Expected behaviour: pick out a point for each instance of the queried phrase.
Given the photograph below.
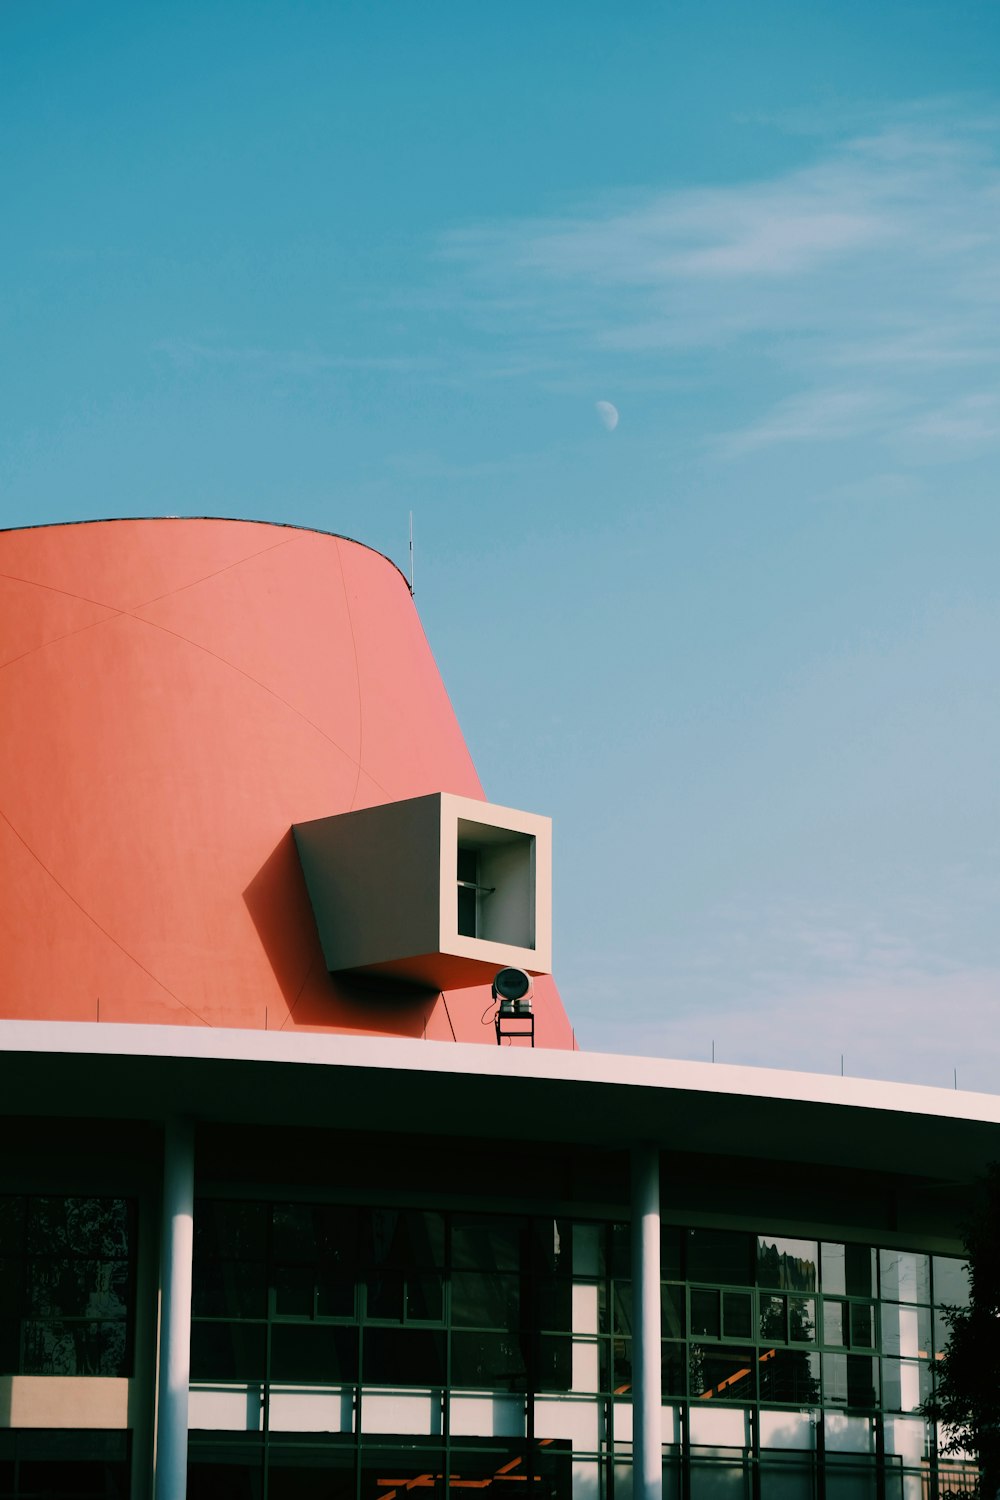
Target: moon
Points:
(608, 414)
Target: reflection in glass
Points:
(802, 1320)
(789, 1265)
(774, 1318)
(906, 1330)
(848, 1270)
(850, 1380)
(789, 1375)
(737, 1315)
(906, 1384)
(951, 1281)
(705, 1314)
(906, 1276)
(722, 1374)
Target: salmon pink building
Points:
(295, 1200)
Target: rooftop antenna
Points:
(411, 554)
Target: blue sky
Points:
(328, 263)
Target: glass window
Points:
(905, 1275)
(906, 1330)
(705, 1313)
(906, 1384)
(481, 1299)
(228, 1351)
(802, 1320)
(848, 1270)
(790, 1265)
(492, 1360)
(487, 1243)
(314, 1352)
(951, 1281)
(722, 1374)
(850, 1380)
(774, 1319)
(737, 1315)
(720, 1256)
(790, 1375)
(403, 1356)
(672, 1313)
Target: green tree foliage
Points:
(967, 1399)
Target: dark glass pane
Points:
(294, 1291)
(10, 1346)
(404, 1239)
(314, 1351)
(720, 1255)
(74, 1478)
(11, 1273)
(402, 1470)
(77, 1288)
(385, 1295)
(482, 1300)
(228, 1351)
(737, 1315)
(311, 1474)
(849, 1476)
(705, 1313)
(229, 1288)
(487, 1244)
(11, 1226)
(850, 1380)
(621, 1251)
(78, 1226)
(862, 1326)
(787, 1476)
(673, 1370)
(717, 1479)
(672, 1312)
(493, 1360)
(671, 1253)
(224, 1480)
(789, 1265)
(774, 1319)
(309, 1232)
(859, 1271)
(802, 1320)
(722, 1374)
(230, 1231)
(403, 1356)
(59, 1348)
(789, 1375)
(553, 1305)
(424, 1299)
(621, 1307)
(555, 1364)
(334, 1291)
(225, 1466)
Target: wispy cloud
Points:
(867, 280)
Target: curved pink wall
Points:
(174, 695)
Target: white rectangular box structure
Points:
(439, 890)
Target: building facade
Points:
(278, 1218)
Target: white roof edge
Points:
(325, 1049)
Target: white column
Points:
(175, 1311)
(647, 1480)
